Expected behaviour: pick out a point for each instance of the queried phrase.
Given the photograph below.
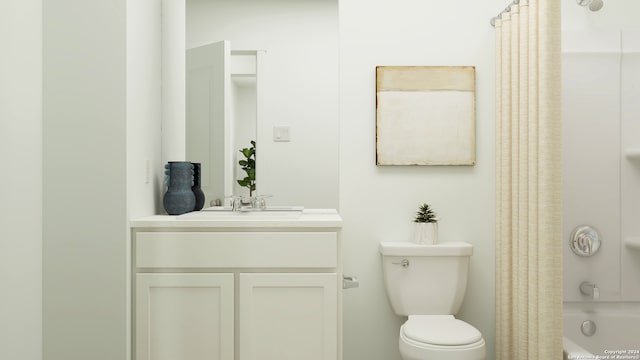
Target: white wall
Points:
(378, 203)
(145, 169)
(102, 166)
(300, 78)
(173, 81)
(84, 179)
(601, 70)
(21, 189)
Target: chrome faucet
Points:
(590, 289)
(243, 203)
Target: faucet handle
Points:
(596, 292)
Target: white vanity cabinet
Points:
(184, 316)
(288, 316)
(263, 289)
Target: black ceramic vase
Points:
(197, 190)
(179, 198)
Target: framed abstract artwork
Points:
(425, 115)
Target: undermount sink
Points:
(218, 212)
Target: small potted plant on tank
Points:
(426, 226)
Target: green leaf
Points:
(425, 214)
(249, 166)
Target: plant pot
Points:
(425, 233)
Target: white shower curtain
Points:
(528, 183)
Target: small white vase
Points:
(425, 233)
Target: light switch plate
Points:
(281, 134)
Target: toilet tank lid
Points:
(405, 248)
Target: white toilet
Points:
(427, 283)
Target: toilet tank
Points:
(425, 279)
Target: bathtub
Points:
(616, 336)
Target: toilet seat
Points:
(420, 335)
(443, 330)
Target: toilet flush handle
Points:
(404, 263)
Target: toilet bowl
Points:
(440, 337)
(427, 283)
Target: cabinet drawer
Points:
(236, 249)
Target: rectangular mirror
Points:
(293, 47)
(221, 112)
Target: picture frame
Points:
(425, 115)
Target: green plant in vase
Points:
(425, 214)
(249, 166)
(426, 227)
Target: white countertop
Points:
(314, 218)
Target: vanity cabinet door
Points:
(288, 316)
(184, 316)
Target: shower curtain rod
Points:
(593, 5)
(507, 9)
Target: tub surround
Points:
(632, 243)
(613, 330)
(607, 323)
(573, 351)
(262, 286)
(632, 153)
(613, 156)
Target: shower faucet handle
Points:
(585, 240)
(590, 289)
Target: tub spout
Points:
(590, 289)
